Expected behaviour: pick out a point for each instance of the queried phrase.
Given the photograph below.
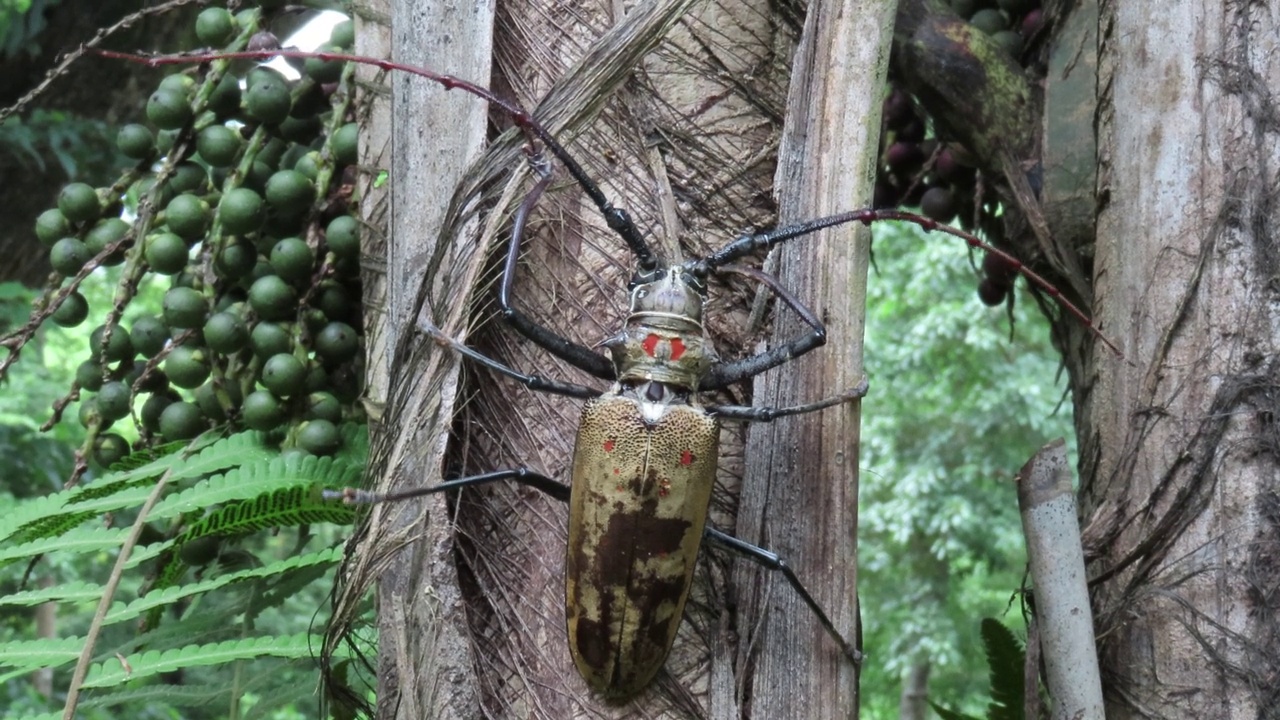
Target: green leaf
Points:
(257, 478)
(1006, 657)
(153, 662)
(121, 612)
(29, 655)
(80, 540)
(49, 516)
(67, 592)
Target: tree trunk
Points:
(675, 107)
(1150, 169)
(913, 704)
(800, 493)
(1181, 438)
(427, 666)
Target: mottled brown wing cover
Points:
(639, 504)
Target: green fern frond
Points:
(158, 598)
(48, 524)
(298, 505)
(154, 662)
(286, 586)
(174, 695)
(27, 655)
(289, 506)
(197, 627)
(197, 695)
(56, 514)
(146, 553)
(80, 540)
(285, 695)
(145, 456)
(234, 486)
(257, 478)
(60, 512)
(205, 455)
(71, 592)
(1005, 656)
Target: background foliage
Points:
(956, 407)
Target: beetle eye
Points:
(694, 283)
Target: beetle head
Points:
(667, 293)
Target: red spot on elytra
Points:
(677, 348)
(609, 445)
(650, 344)
(686, 458)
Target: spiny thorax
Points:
(663, 341)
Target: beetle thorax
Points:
(663, 341)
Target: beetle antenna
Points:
(618, 219)
(748, 244)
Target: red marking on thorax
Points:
(677, 348)
(650, 344)
(653, 341)
(686, 458)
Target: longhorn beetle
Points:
(646, 450)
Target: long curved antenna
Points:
(617, 219)
(748, 244)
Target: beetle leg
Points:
(533, 382)
(576, 355)
(726, 373)
(773, 562)
(523, 476)
(758, 413)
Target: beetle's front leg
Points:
(571, 352)
(533, 382)
(756, 413)
(723, 374)
(773, 562)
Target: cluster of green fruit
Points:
(937, 176)
(240, 201)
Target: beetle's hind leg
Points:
(757, 413)
(773, 562)
(522, 476)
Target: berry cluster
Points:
(239, 204)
